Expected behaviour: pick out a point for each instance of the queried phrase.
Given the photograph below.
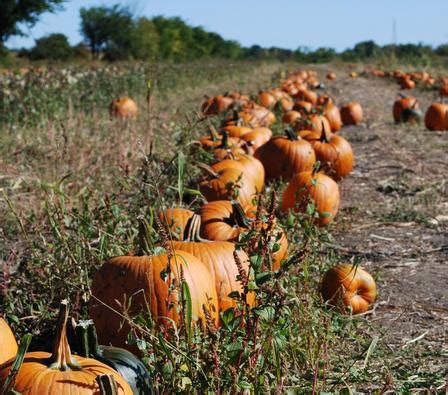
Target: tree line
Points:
(114, 33)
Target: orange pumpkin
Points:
(219, 260)
(333, 151)
(236, 131)
(123, 107)
(284, 156)
(257, 137)
(351, 113)
(61, 372)
(266, 99)
(291, 117)
(406, 109)
(215, 105)
(132, 284)
(436, 117)
(319, 188)
(350, 285)
(175, 219)
(8, 344)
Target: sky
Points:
(282, 23)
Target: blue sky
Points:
(283, 23)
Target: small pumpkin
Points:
(60, 372)
(291, 117)
(319, 188)
(350, 285)
(406, 109)
(175, 219)
(284, 156)
(123, 361)
(257, 137)
(8, 343)
(436, 117)
(351, 113)
(123, 107)
(236, 131)
(331, 76)
(216, 105)
(266, 99)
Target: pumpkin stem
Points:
(192, 229)
(107, 384)
(88, 339)
(325, 136)
(61, 358)
(239, 216)
(225, 140)
(208, 170)
(290, 134)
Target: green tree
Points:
(13, 12)
(146, 42)
(109, 30)
(52, 47)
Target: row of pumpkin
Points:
(200, 253)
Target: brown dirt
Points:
(394, 216)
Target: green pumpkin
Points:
(124, 362)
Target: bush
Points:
(52, 47)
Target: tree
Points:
(108, 29)
(52, 47)
(146, 43)
(13, 12)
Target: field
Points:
(74, 183)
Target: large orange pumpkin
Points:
(220, 262)
(349, 285)
(406, 109)
(284, 156)
(351, 113)
(8, 344)
(61, 372)
(136, 284)
(317, 187)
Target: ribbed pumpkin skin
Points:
(218, 257)
(351, 285)
(8, 343)
(139, 277)
(333, 115)
(282, 157)
(351, 113)
(257, 137)
(36, 378)
(325, 194)
(216, 188)
(236, 131)
(333, 151)
(436, 117)
(176, 219)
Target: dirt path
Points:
(395, 218)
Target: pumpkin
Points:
(248, 164)
(436, 117)
(123, 107)
(228, 183)
(333, 151)
(319, 188)
(306, 95)
(123, 361)
(8, 343)
(220, 262)
(257, 137)
(236, 131)
(215, 105)
(60, 372)
(266, 99)
(134, 284)
(353, 74)
(443, 90)
(284, 156)
(291, 117)
(303, 107)
(333, 115)
(331, 76)
(406, 109)
(351, 113)
(407, 83)
(313, 122)
(175, 219)
(286, 103)
(225, 221)
(349, 285)
(222, 146)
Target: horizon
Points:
(320, 31)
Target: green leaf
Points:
(244, 385)
(8, 385)
(264, 312)
(263, 277)
(180, 175)
(189, 309)
(227, 317)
